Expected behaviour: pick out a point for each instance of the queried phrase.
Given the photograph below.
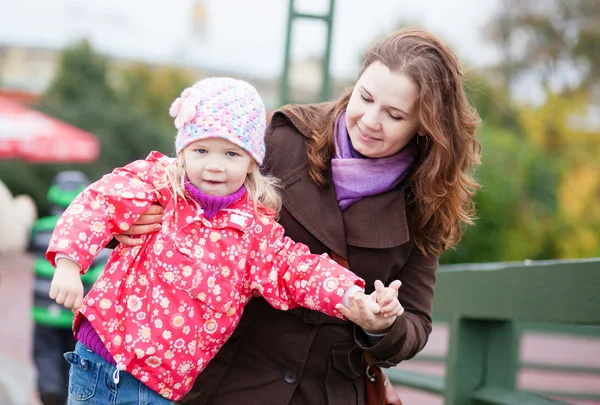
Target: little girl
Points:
(160, 311)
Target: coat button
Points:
(290, 376)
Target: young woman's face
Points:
(217, 166)
(381, 116)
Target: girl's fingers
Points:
(53, 291)
(379, 291)
(69, 299)
(77, 303)
(396, 284)
(395, 311)
(60, 297)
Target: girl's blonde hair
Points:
(262, 189)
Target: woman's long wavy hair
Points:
(441, 186)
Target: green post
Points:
(326, 83)
(325, 92)
(284, 85)
(481, 354)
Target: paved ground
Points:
(17, 373)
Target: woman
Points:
(381, 177)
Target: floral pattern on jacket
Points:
(163, 309)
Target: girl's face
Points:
(217, 166)
(381, 116)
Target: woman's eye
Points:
(395, 118)
(232, 154)
(201, 151)
(368, 100)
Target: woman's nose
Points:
(370, 119)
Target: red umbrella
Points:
(36, 137)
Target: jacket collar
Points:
(377, 222)
(237, 216)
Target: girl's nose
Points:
(214, 167)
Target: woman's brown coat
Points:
(305, 357)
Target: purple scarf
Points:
(356, 176)
(212, 203)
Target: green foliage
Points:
(515, 205)
(83, 75)
(153, 90)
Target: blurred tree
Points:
(492, 102)
(564, 127)
(516, 204)
(83, 75)
(153, 89)
(554, 42)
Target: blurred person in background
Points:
(53, 335)
(380, 177)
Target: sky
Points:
(243, 36)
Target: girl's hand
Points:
(387, 298)
(149, 222)
(66, 287)
(365, 311)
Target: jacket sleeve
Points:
(287, 275)
(106, 208)
(410, 332)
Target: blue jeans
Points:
(92, 382)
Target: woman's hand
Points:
(149, 222)
(374, 313)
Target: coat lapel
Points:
(378, 222)
(315, 208)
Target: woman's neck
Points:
(212, 204)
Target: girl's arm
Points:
(104, 209)
(287, 275)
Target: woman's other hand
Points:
(149, 222)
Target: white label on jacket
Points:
(238, 219)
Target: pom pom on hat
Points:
(221, 107)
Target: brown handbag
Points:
(378, 388)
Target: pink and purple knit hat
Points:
(221, 107)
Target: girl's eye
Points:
(232, 154)
(201, 151)
(395, 118)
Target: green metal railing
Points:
(488, 307)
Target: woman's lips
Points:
(366, 138)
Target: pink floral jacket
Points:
(163, 309)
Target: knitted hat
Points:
(221, 107)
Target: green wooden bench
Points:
(488, 307)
